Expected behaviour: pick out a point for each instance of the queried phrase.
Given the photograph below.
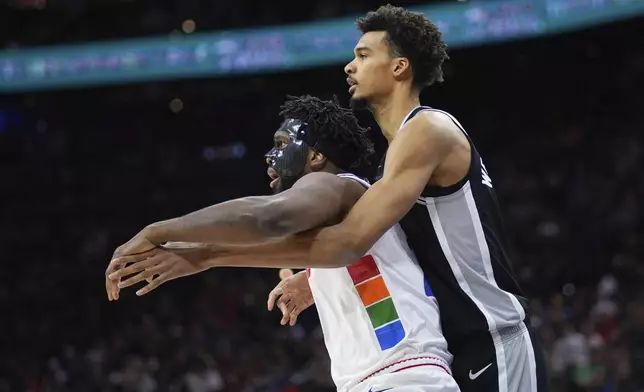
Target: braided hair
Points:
(332, 124)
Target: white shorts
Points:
(427, 378)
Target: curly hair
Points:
(332, 124)
(410, 35)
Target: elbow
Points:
(339, 247)
(356, 247)
(354, 241)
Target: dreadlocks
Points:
(331, 123)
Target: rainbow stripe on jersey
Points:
(377, 300)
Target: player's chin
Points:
(359, 102)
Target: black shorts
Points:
(507, 360)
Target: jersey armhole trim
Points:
(355, 178)
(438, 191)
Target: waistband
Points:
(411, 362)
(509, 333)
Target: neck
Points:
(332, 169)
(335, 170)
(392, 110)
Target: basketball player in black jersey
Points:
(435, 184)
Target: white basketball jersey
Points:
(378, 314)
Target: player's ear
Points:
(399, 66)
(317, 160)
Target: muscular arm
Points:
(290, 252)
(316, 199)
(412, 158)
(179, 259)
(251, 232)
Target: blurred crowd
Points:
(556, 119)
(25, 23)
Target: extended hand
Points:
(155, 266)
(136, 246)
(292, 295)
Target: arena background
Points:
(558, 119)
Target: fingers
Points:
(110, 285)
(290, 311)
(136, 267)
(108, 289)
(115, 270)
(273, 295)
(145, 275)
(154, 284)
(282, 304)
(285, 273)
(286, 305)
(293, 316)
(135, 258)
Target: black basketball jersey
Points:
(458, 237)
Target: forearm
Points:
(336, 245)
(241, 222)
(280, 259)
(292, 252)
(319, 248)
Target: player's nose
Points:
(349, 69)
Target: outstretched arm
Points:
(290, 252)
(316, 199)
(292, 295)
(412, 158)
(176, 260)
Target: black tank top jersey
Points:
(458, 237)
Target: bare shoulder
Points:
(325, 183)
(320, 180)
(317, 199)
(430, 134)
(435, 125)
(432, 147)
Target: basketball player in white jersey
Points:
(435, 186)
(379, 317)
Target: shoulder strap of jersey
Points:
(454, 120)
(411, 114)
(359, 180)
(419, 109)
